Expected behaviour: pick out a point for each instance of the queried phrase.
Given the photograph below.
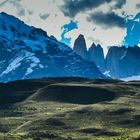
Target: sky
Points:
(105, 22)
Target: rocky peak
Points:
(96, 54)
(80, 46)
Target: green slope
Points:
(70, 108)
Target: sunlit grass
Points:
(118, 119)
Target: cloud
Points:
(119, 4)
(16, 4)
(20, 9)
(44, 16)
(95, 40)
(91, 30)
(72, 7)
(138, 6)
(107, 19)
(21, 12)
(3, 3)
(30, 12)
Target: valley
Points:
(70, 109)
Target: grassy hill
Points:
(70, 109)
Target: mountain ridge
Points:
(32, 52)
(28, 52)
(120, 62)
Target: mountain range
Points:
(27, 52)
(78, 100)
(119, 63)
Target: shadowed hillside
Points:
(74, 93)
(70, 109)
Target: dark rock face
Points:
(80, 47)
(120, 62)
(113, 60)
(96, 54)
(123, 62)
(35, 33)
(133, 27)
(28, 52)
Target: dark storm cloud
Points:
(72, 7)
(138, 6)
(44, 16)
(119, 4)
(107, 19)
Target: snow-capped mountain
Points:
(28, 52)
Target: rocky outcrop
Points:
(123, 62)
(120, 62)
(96, 54)
(80, 47)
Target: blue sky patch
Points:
(67, 28)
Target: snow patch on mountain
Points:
(35, 62)
(132, 78)
(124, 55)
(30, 53)
(41, 66)
(13, 65)
(107, 73)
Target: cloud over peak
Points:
(72, 7)
(107, 19)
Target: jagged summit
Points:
(96, 54)
(93, 45)
(28, 52)
(81, 36)
(99, 46)
(15, 23)
(120, 62)
(80, 46)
